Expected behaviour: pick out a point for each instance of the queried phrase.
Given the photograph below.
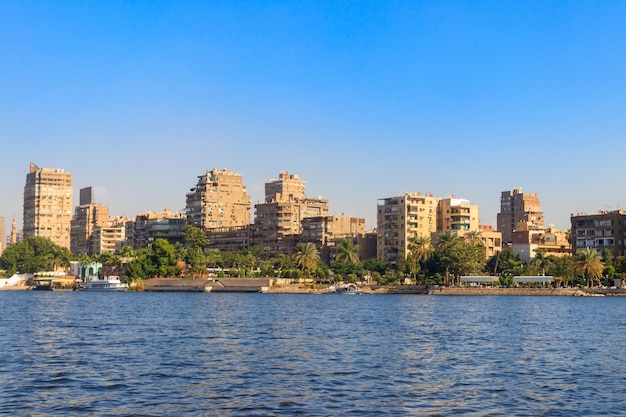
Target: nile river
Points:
(204, 354)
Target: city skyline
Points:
(362, 100)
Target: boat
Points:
(349, 289)
(110, 283)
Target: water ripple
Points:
(284, 355)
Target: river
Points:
(205, 354)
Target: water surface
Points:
(200, 354)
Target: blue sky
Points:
(363, 100)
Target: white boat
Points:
(346, 289)
(110, 283)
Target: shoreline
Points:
(176, 285)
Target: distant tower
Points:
(518, 207)
(48, 204)
(13, 232)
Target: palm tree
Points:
(589, 262)
(474, 237)
(541, 260)
(422, 249)
(306, 256)
(348, 252)
(445, 242)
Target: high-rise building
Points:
(3, 233)
(87, 217)
(278, 221)
(48, 204)
(518, 207)
(401, 218)
(218, 200)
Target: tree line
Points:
(428, 262)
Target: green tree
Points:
(562, 268)
(34, 254)
(541, 260)
(347, 251)
(306, 256)
(474, 237)
(163, 259)
(589, 263)
(421, 250)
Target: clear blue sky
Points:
(363, 99)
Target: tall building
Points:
(218, 200)
(603, 230)
(48, 204)
(278, 221)
(87, 217)
(518, 207)
(456, 214)
(399, 219)
(3, 233)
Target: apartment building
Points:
(48, 204)
(602, 230)
(108, 239)
(230, 239)
(456, 215)
(278, 221)
(326, 232)
(399, 219)
(527, 241)
(517, 207)
(219, 199)
(88, 216)
(147, 227)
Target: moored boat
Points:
(110, 283)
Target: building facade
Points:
(147, 227)
(219, 199)
(278, 221)
(87, 217)
(518, 207)
(600, 231)
(326, 232)
(48, 204)
(456, 215)
(401, 218)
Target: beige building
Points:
(218, 200)
(326, 232)
(48, 204)
(602, 230)
(87, 217)
(230, 239)
(516, 209)
(278, 221)
(399, 219)
(147, 227)
(108, 239)
(456, 215)
(491, 240)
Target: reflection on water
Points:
(265, 354)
